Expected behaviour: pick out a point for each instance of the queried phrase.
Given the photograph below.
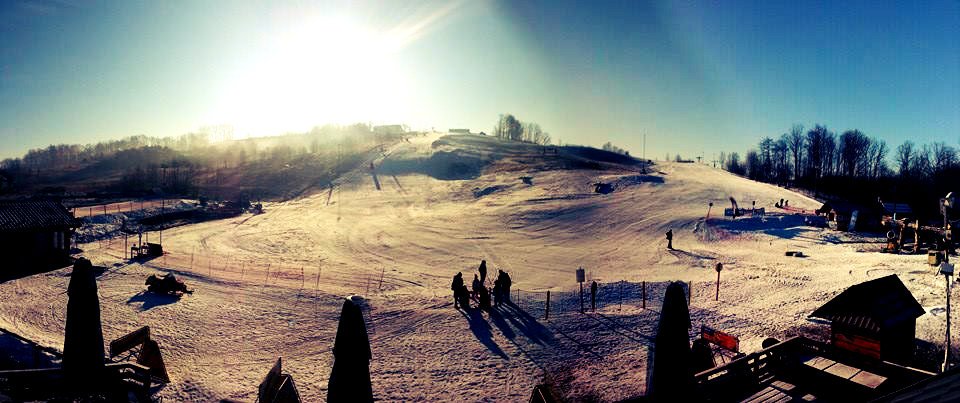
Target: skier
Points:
(456, 286)
(670, 239)
(483, 271)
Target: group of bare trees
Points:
(799, 156)
(851, 164)
(511, 128)
(608, 146)
(193, 162)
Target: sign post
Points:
(581, 277)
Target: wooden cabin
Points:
(876, 319)
(35, 234)
(848, 216)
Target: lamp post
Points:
(947, 270)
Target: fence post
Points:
(620, 296)
(548, 306)
(644, 293)
(689, 292)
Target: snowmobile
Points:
(166, 284)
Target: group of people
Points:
(500, 293)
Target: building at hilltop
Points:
(35, 234)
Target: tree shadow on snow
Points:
(149, 300)
(481, 330)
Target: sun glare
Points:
(322, 71)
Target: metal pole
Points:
(946, 352)
(581, 297)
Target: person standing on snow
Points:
(483, 271)
(670, 239)
(456, 286)
(476, 285)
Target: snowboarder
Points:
(476, 285)
(456, 286)
(670, 239)
(593, 296)
(483, 271)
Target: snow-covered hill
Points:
(270, 285)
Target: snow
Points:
(399, 246)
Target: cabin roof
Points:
(872, 305)
(37, 215)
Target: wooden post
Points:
(718, 287)
(644, 295)
(547, 317)
(124, 246)
(319, 270)
(620, 296)
(382, 269)
(301, 277)
(104, 209)
(689, 292)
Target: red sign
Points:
(720, 339)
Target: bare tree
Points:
(944, 157)
(904, 158)
(795, 143)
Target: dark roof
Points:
(846, 207)
(942, 387)
(23, 216)
(896, 207)
(871, 305)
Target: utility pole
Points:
(947, 270)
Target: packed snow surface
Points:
(272, 284)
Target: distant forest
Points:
(852, 166)
(193, 165)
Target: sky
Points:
(692, 77)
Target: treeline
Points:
(608, 146)
(192, 164)
(511, 128)
(852, 165)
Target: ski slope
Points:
(271, 285)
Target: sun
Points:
(325, 70)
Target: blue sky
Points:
(694, 76)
